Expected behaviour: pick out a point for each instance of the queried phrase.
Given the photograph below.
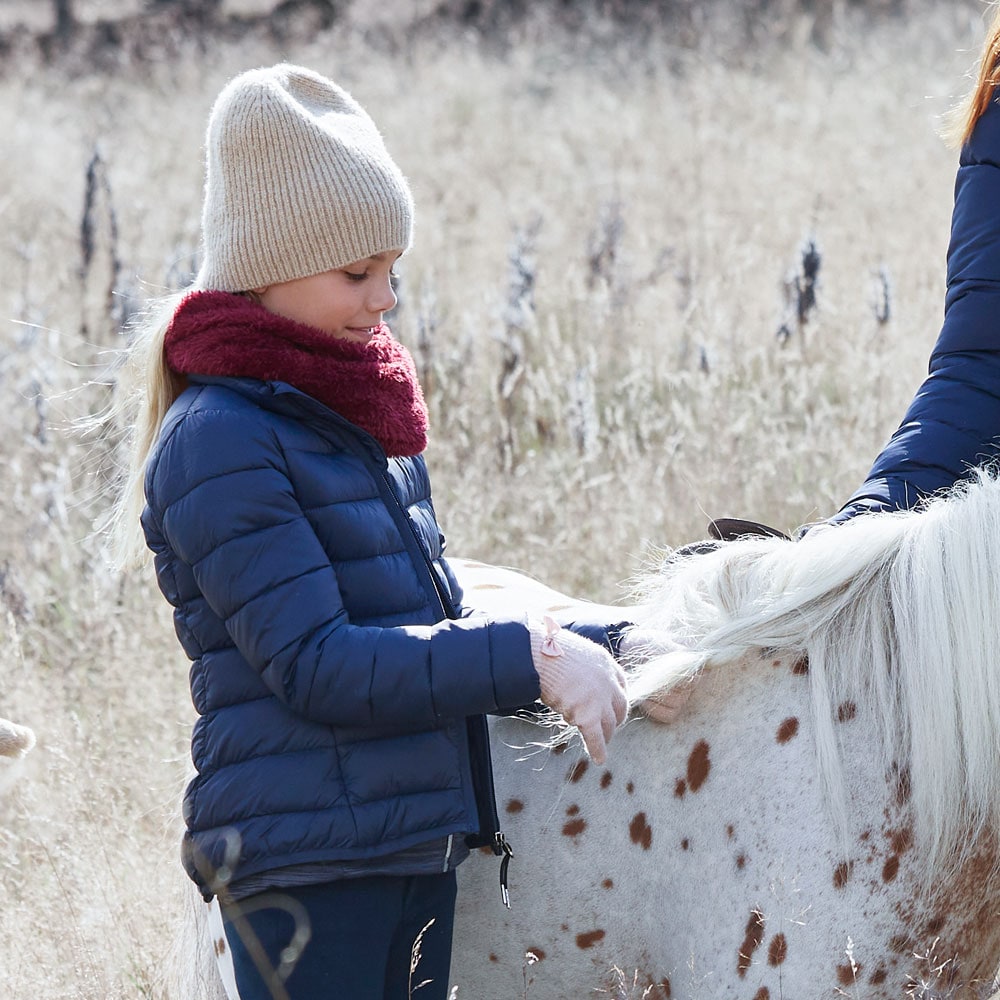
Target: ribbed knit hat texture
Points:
(298, 182)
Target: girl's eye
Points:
(356, 276)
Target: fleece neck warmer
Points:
(373, 385)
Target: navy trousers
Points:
(355, 939)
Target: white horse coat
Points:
(820, 821)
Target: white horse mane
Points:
(897, 612)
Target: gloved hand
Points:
(582, 682)
(637, 644)
(641, 644)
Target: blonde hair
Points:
(963, 118)
(145, 388)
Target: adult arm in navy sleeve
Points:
(953, 423)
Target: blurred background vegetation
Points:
(674, 259)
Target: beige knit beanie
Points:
(298, 182)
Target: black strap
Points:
(727, 529)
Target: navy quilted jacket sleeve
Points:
(953, 423)
(230, 513)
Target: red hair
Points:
(966, 114)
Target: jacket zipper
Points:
(500, 846)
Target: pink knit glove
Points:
(582, 682)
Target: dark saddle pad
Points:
(725, 529)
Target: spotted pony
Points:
(821, 819)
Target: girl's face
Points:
(347, 303)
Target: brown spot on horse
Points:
(537, 952)
(901, 840)
(606, 779)
(574, 827)
(751, 942)
(900, 777)
(630, 788)
(608, 884)
(680, 788)
(589, 939)
(879, 976)
(801, 666)
(579, 770)
(640, 832)
(842, 873)
(220, 946)
(685, 844)
(741, 862)
(515, 806)
(891, 868)
(657, 990)
(848, 973)
(698, 765)
(787, 730)
(762, 994)
(777, 951)
(846, 711)
(572, 810)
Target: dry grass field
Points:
(610, 228)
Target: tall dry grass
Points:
(610, 231)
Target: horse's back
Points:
(700, 861)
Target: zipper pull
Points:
(501, 846)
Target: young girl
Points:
(342, 757)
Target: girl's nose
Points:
(384, 298)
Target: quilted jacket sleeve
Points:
(953, 423)
(220, 500)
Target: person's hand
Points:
(638, 645)
(666, 707)
(582, 682)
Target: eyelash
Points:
(352, 276)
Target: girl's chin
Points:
(357, 335)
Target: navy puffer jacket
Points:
(953, 423)
(340, 703)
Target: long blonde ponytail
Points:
(145, 389)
